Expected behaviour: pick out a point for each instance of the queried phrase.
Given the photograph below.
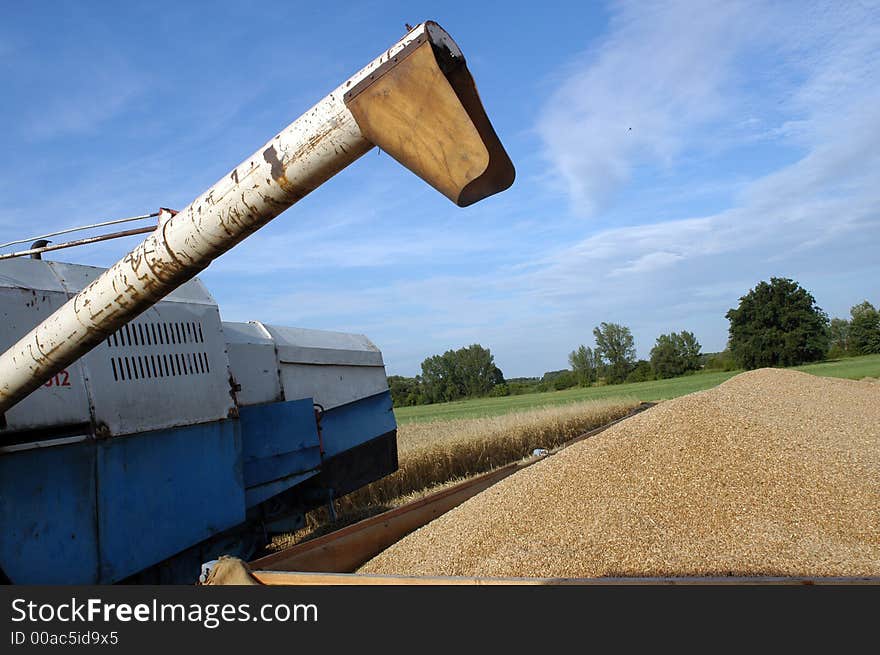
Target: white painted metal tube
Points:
(298, 160)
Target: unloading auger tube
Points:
(416, 101)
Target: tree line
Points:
(471, 372)
(777, 323)
(613, 359)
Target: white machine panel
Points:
(302, 346)
(166, 368)
(253, 363)
(332, 385)
(28, 295)
(333, 368)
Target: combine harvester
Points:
(141, 436)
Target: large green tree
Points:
(464, 373)
(440, 381)
(477, 370)
(864, 330)
(675, 354)
(583, 364)
(777, 324)
(615, 348)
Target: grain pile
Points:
(774, 472)
(437, 453)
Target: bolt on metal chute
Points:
(416, 101)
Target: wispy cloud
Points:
(637, 96)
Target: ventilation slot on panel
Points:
(166, 333)
(173, 340)
(166, 365)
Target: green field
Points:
(854, 368)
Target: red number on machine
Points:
(60, 379)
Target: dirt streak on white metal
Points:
(303, 156)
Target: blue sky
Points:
(754, 151)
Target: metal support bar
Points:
(79, 242)
(115, 221)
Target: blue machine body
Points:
(85, 498)
(102, 511)
(275, 457)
